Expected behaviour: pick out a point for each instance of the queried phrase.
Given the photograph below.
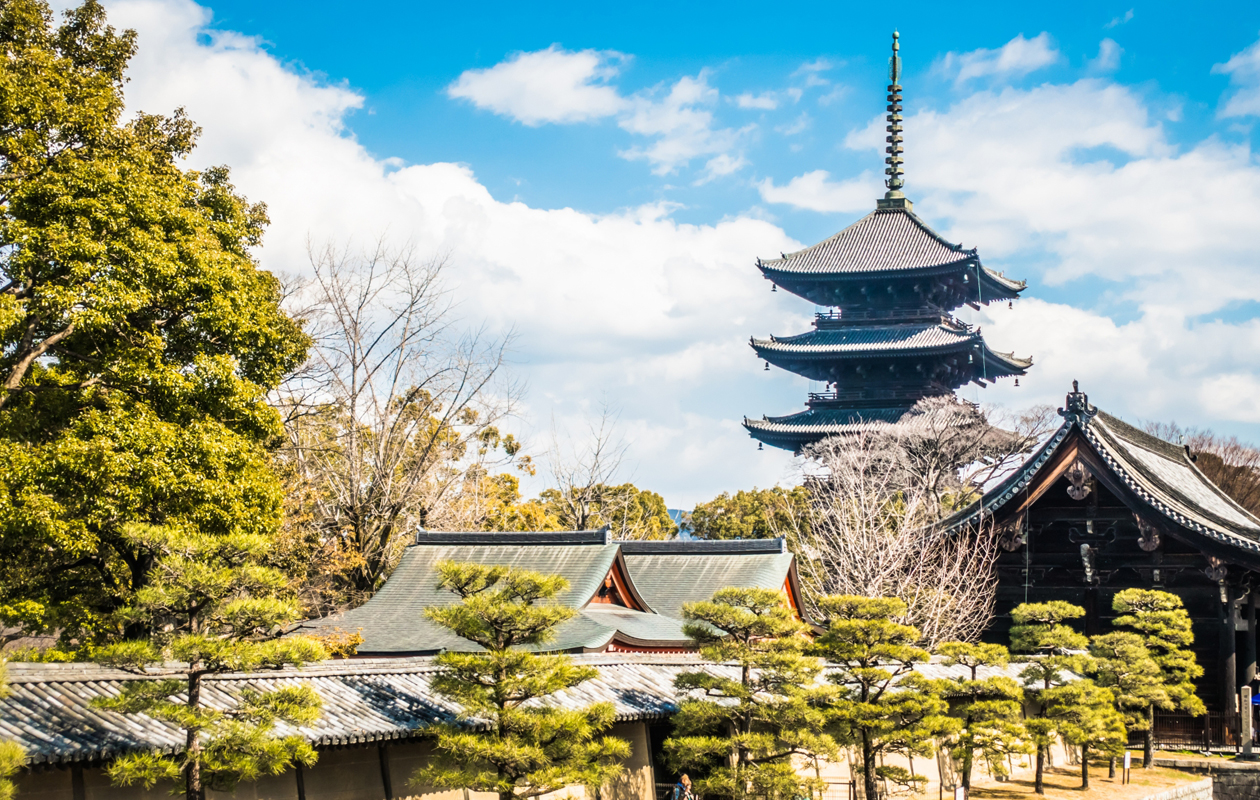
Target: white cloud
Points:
(1108, 58)
(798, 125)
(767, 101)
(1128, 15)
(1015, 59)
(815, 191)
(1243, 70)
(810, 72)
(632, 305)
(683, 125)
(552, 85)
(720, 166)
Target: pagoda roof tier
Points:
(889, 244)
(946, 353)
(794, 431)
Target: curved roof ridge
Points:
(885, 239)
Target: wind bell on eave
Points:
(894, 197)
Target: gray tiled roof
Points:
(667, 581)
(393, 622)
(830, 421)
(873, 339)
(885, 239)
(49, 712)
(1160, 473)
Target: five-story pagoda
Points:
(890, 339)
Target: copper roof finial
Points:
(894, 198)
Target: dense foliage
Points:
(746, 734)
(138, 337)
(990, 709)
(215, 607)
(1163, 628)
(883, 707)
(529, 748)
(755, 514)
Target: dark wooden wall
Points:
(1050, 567)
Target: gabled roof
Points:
(671, 573)
(1162, 475)
(393, 622)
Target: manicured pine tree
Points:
(218, 609)
(1162, 622)
(1122, 663)
(1085, 715)
(990, 708)
(747, 730)
(1039, 630)
(530, 748)
(883, 707)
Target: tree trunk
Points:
(1111, 768)
(1148, 740)
(1039, 784)
(1084, 767)
(869, 777)
(192, 770)
(966, 769)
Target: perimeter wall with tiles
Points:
(358, 773)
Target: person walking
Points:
(682, 789)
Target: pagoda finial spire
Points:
(894, 198)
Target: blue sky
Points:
(604, 178)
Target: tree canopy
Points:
(530, 748)
(138, 337)
(747, 733)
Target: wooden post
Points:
(1249, 656)
(1229, 653)
(1245, 727)
(383, 750)
(301, 782)
(76, 783)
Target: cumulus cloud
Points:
(1243, 70)
(766, 101)
(1015, 59)
(552, 85)
(1080, 183)
(1108, 58)
(632, 305)
(816, 191)
(682, 124)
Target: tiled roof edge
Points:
(602, 536)
(673, 547)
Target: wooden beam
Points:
(383, 751)
(1249, 662)
(1229, 653)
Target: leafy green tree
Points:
(755, 514)
(1039, 630)
(990, 708)
(883, 707)
(1085, 715)
(531, 748)
(633, 513)
(1162, 622)
(11, 754)
(748, 730)
(138, 338)
(1122, 663)
(214, 606)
